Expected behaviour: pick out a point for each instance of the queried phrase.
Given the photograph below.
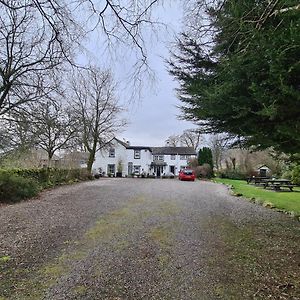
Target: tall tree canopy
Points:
(244, 76)
(205, 157)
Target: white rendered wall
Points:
(144, 161)
(177, 162)
(102, 159)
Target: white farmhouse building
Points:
(127, 159)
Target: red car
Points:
(186, 174)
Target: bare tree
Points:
(219, 144)
(16, 134)
(31, 49)
(173, 140)
(48, 126)
(97, 109)
(54, 127)
(191, 138)
(37, 36)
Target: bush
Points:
(296, 175)
(204, 171)
(48, 177)
(30, 181)
(14, 188)
(232, 174)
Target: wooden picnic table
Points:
(277, 184)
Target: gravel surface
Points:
(146, 239)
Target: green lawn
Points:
(285, 200)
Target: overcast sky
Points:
(154, 116)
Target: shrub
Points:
(17, 184)
(204, 171)
(14, 188)
(205, 157)
(232, 174)
(296, 175)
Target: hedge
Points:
(18, 184)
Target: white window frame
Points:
(137, 154)
(136, 169)
(112, 153)
(111, 167)
(158, 157)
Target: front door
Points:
(130, 168)
(172, 169)
(158, 171)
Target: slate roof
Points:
(161, 150)
(139, 147)
(173, 151)
(122, 143)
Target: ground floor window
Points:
(137, 169)
(111, 169)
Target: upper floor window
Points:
(112, 152)
(173, 156)
(158, 157)
(184, 157)
(137, 154)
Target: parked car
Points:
(187, 174)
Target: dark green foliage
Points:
(296, 175)
(231, 174)
(47, 177)
(14, 188)
(205, 157)
(247, 84)
(17, 184)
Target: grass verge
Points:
(286, 201)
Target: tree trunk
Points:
(50, 155)
(91, 161)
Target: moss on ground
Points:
(257, 261)
(112, 228)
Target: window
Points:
(158, 157)
(173, 157)
(137, 154)
(110, 169)
(112, 152)
(188, 172)
(184, 157)
(137, 169)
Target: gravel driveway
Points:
(146, 239)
